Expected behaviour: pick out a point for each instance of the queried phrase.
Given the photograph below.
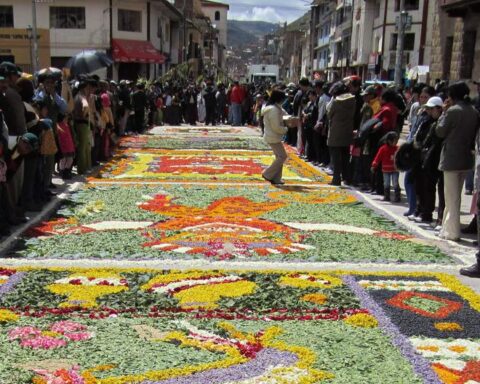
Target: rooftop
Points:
(210, 3)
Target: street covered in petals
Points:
(178, 266)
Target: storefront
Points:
(16, 46)
(133, 58)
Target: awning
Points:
(136, 51)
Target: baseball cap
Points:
(370, 90)
(434, 101)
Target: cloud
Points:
(260, 14)
(270, 10)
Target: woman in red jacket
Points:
(388, 113)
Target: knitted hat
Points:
(31, 139)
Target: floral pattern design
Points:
(301, 325)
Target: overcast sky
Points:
(273, 11)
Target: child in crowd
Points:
(386, 157)
(67, 147)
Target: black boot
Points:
(398, 195)
(473, 270)
(386, 194)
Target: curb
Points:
(47, 211)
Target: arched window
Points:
(217, 15)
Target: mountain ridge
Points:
(242, 32)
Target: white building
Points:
(141, 36)
(374, 36)
(218, 13)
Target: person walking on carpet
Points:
(273, 134)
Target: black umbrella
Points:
(88, 61)
(53, 72)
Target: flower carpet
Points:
(236, 327)
(215, 131)
(296, 224)
(160, 271)
(159, 165)
(193, 142)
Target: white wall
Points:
(137, 5)
(221, 24)
(67, 42)
(417, 20)
(362, 31)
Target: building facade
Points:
(322, 20)
(217, 13)
(360, 37)
(455, 40)
(142, 37)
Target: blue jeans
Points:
(390, 179)
(237, 114)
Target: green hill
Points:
(245, 32)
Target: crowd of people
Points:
(58, 124)
(353, 130)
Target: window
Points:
(468, 57)
(410, 5)
(409, 42)
(167, 32)
(129, 21)
(217, 15)
(6, 16)
(67, 17)
(447, 57)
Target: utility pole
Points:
(184, 50)
(401, 24)
(35, 65)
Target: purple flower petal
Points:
(11, 282)
(421, 366)
(264, 359)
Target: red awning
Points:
(136, 51)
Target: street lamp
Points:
(34, 35)
(30, 38)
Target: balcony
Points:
(460, 8)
